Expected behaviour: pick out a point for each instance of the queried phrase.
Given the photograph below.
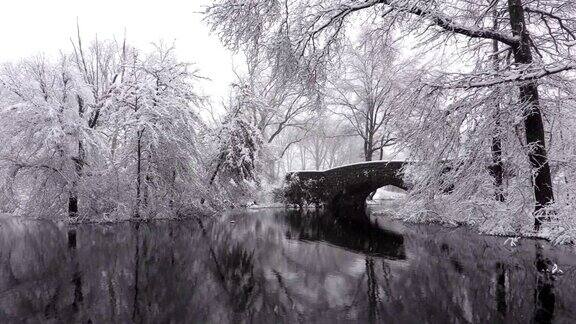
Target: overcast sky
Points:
(29, 27)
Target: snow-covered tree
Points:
(239, 146)
(237, 161)
(160, 126)
(41, 126)
(104, 130)
(366, 91)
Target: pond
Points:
(268, 266)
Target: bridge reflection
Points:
(362, 237)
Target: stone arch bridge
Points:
(346, 187)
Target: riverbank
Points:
(487, 218)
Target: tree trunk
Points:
(498, 168)
(72, 204)
(272, 169)
(533, 123)
(73, 193)
(368, 151)
(138, 173)
(303, 157)
(78, 165)
(317, 154)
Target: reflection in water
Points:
(356, 236)
(136, 317)
(276, 266)
(76, 274)
(544, 291)
(373, 288)
(501, 287)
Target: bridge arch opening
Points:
(385, 193)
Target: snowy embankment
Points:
(114, 218)
(266, 205)
(486, 216)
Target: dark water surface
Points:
(273, 266)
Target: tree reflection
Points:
(76, 272)
(136, 316)
(233, 267)
(373, 291)
(544, 297)
(274, 267)
(501, 288)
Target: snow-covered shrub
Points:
(301, 193)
